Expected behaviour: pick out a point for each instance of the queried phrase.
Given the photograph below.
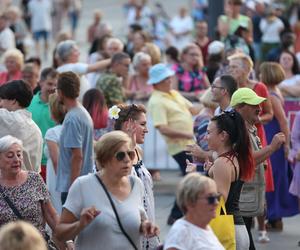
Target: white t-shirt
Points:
(179, 25)
(184, 235)
(104, 231)
(271, 30)
(7, 39)
(80, 69)
(40, 11)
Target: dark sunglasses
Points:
(120, 156)
(212, 199)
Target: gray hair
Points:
(116, 41)
(138, 57)
(189, 189)
(64, 48)
(7, 141)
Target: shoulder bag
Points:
(223, 227)
(50, 243)
(116, 213)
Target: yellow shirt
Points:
(172, 109)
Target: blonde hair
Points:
(16, 54)
(153, 51)
(207, 99)
(21, 235)
(108, 145)
(271, 73)
(57, 109)
(244, 58)
(189, 189)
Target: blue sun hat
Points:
(158, 73)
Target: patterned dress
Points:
(27, 198)
(141, 171)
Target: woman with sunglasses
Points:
(228, 136)
(198, 199)
(132, 120)
(105, 210)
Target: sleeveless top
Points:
(232, 202)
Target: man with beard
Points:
(39, 107)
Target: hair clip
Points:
(113, 112)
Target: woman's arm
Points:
(267, 111)
(53, 151)
(69, 226)
(282, 120)
(50, 214)
(292, 91)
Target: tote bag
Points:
(223, 227)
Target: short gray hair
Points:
(7, 141)
(116, 41)
(189, 189)
(64, 48)
(138, 57)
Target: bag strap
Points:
(116, 213)
(10, 204)
(221, 206)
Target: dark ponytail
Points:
(234, 125)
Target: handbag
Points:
(50, 243)
(116, 213)
(252, 197)
(223, 227)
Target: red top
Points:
(261, 90)
(4, 77)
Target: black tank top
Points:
(232, 202)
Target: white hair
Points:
(7, 141)
(138, 57)
(116, 41)
(64, 49)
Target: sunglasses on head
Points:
(212, 199)
(120, 156)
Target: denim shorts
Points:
(40, 34)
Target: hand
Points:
(130, 129)
(277, 141)
(70, 246)
(149, 229)
(286, 151)
(207, 165)
(190, 167)
(87, 216)
(196, 152)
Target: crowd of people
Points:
(72, 135)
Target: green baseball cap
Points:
(245, 95)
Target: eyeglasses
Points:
(120, 156)
(216, 87)
(212, 199)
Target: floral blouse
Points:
(27, 198)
